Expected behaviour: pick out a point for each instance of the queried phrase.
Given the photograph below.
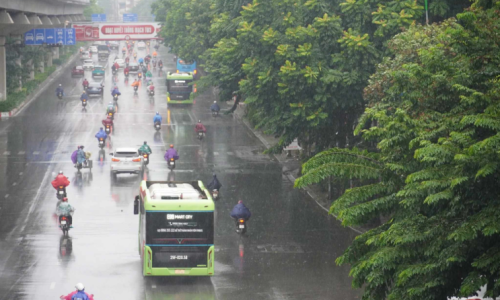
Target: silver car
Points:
(126, 160)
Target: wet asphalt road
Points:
(288, 253)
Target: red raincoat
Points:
(60, 180)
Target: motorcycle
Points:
(145, 159)
(86, 165)
(84, 103)
(114, 71)
(101, 143)
(59, 95)
(157, 126)
(107, 129)
(241, 226)
(171, 164)
(215, 194)
(115, 97)
(139, 75)
(215, 113)
(200, 135)
(126, 74)
(112, 115)
(154, 64)
(61, 192)
(64, 224)
(151, 93)
(136, 88)
(161, 67)
(85, 87)
(123, 52)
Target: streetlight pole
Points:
(426, 13)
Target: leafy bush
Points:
(57, 61)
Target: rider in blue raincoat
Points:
(240, 211)
(141, 60)
(101, 134)
(115, 91)
(80, 156)
(157, 118)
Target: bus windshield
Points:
(179, 86)
(176, 228)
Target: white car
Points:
(141, 45)
(93, 49)
(120, 62)
(86, 55)
(88, 64)
(126, 160)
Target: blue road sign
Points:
(70, 36)
(129, 17)
(59, 35)
(39, 36)
(98, 17)
(50, 36)
(29, 37)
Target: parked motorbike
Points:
(101, 143)
(61, 192)
(241, 226)
(171, 164)
(157, 126)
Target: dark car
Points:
(77, 71)
(95, 88)
(133, 67)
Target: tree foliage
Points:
(93, 8)
(434, 113)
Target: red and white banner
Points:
(117, 31)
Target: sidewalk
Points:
(291, 165)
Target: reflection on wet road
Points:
(288, 253)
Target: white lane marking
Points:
(21, 153)
(14, 184)
(52, 285)
(20, 173)
(7, 196)
(36, 152)
(153, 286)
(216, 153)
(6, 153)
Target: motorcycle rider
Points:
(160, 63)
(85, 83)
(154, 62)
(141, 61)
(78, 294)
(200, 127)
(111, 108)
(60, 90)
(151, 87)
(126, 70)
(155, 54)
(84, 96)
(64, 209)
(214, 184)
(101, 134)
(240, 211)
(145, 148)
(60, 180)
(215, 107)
(116, 65)
(107, 121)
(149, 74)
(127, 60)
(74, 155)
(157, 118)
(171, 153)
(136, 83)
(80, 156)
(115, 91)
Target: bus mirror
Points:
(136, 205)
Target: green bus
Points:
(180, 88)
(176, 228)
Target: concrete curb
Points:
(290, 177)
(41, 88)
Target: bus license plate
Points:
(180, 271)
(242, 226)
(63, 222)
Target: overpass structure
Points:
(19, 16)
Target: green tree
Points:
(433, 111)
(93, 8)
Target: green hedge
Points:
(57, 61)
(16, 98)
